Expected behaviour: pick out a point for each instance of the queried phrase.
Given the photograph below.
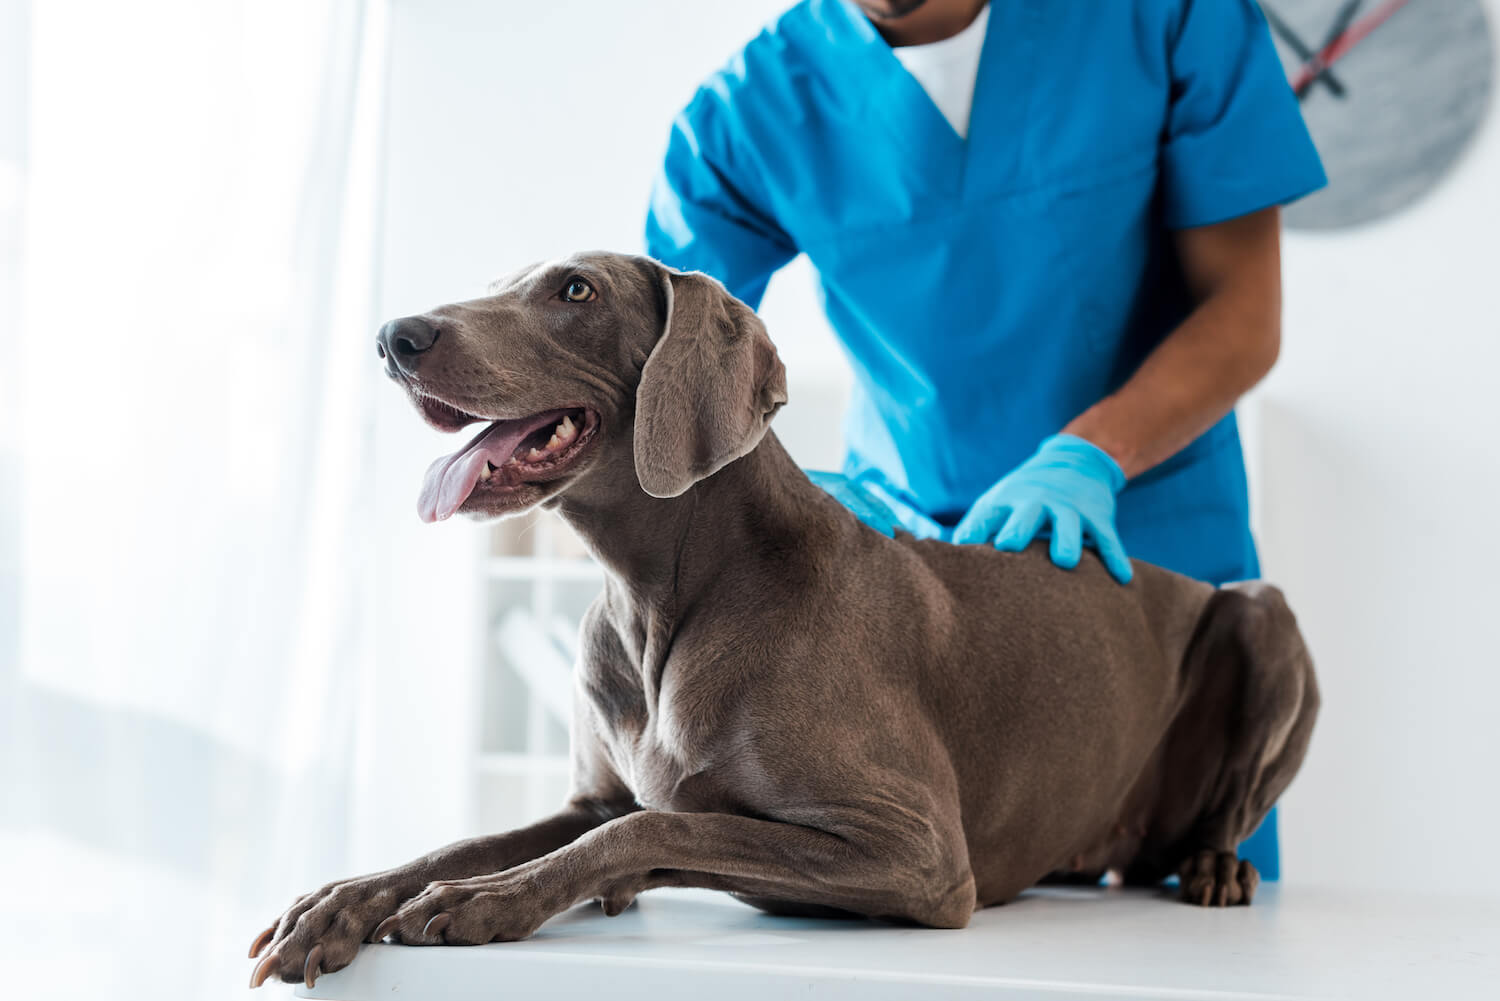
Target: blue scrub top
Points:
(989, 290)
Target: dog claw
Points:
(313, 967)
(440, 920)
(263, 969)
(261, 940)
(385, 927)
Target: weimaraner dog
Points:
(777, 701)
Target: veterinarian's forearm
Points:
(1191, 381)
(1226, 346)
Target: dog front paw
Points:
(504, 907)
(321, 932)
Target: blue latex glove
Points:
(881, 512)
(866, 508)
(1069, 485)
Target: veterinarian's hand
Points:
(1069, 485)
(873, 510)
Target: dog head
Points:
(574, 364)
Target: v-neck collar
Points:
(938, 154)
(948, 68)
(853, 30)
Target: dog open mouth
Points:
(503, 460)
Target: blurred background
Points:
(233, 663)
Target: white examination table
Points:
(1295, 942)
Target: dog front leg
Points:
(906, 875)
(322, 930)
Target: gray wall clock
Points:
(1392, 91)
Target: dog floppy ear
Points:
(709, 389)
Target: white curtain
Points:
(187, 195)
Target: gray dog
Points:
(777, 701)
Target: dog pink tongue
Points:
(451, 479)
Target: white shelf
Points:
(541, 660)
(533, 607)
(535, 568)
(522, 763)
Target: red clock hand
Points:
(1340, 46)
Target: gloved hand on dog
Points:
(1069, 487)
(880, 511)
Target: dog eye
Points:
(578, 290)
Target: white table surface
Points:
(1294, 942)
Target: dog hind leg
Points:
(1233, 749)
(1254, 634)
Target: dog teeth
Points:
(562, 436)
(485, 472)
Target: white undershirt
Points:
(947, 70)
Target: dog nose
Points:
(403, 340)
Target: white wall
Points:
(1379, 496)
(523, 130)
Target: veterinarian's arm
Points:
(704, 217)
(1234, 147)
(1192, 379)
(1226, 345)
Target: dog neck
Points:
(667, 551)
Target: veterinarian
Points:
(1047, 235)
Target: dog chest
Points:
(674, 764)
(657, 772)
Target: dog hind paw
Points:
(1218, 879)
